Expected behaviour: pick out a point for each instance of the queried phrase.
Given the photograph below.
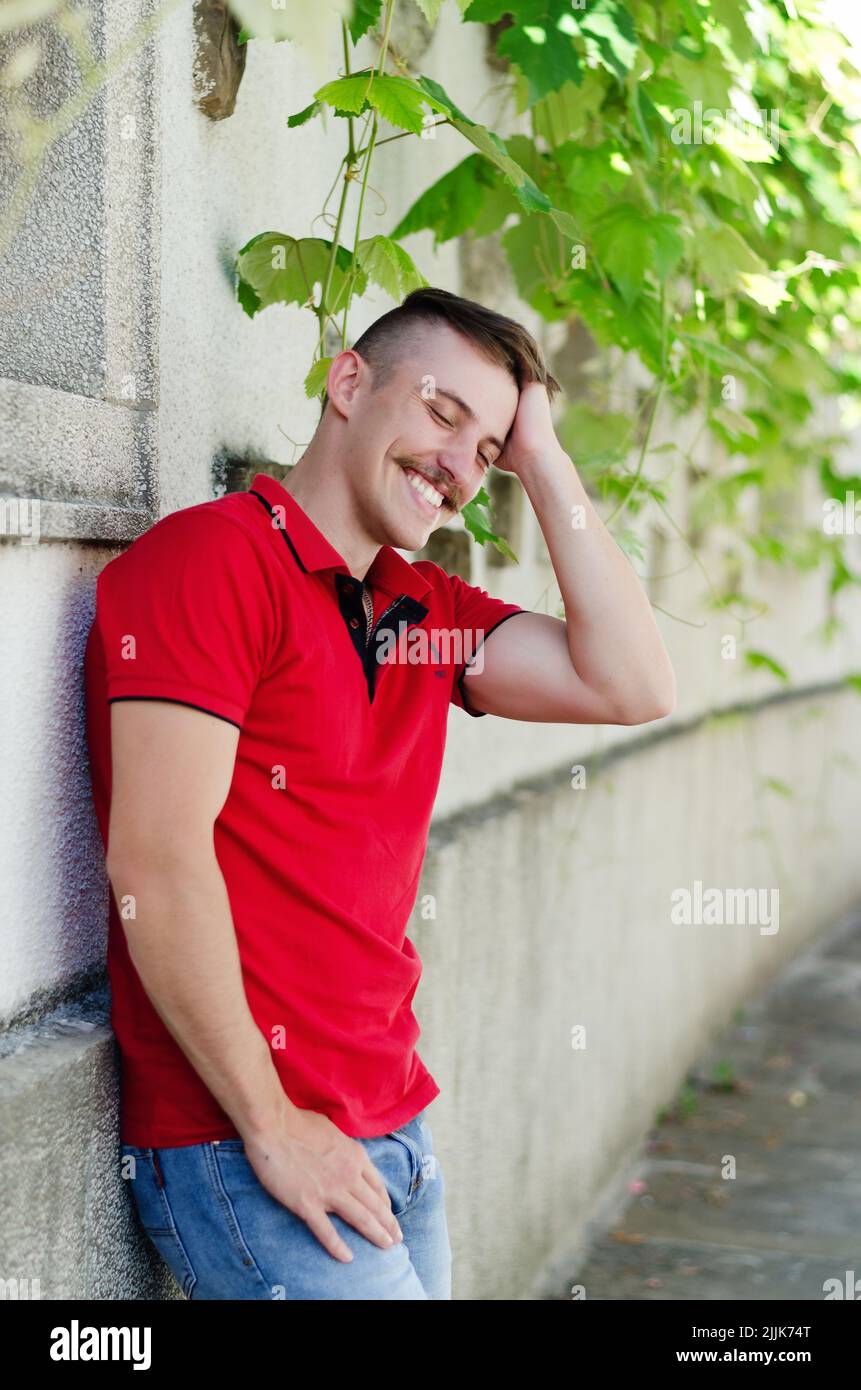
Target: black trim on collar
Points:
(270, 509)
(403, 612)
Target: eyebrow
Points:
(467, 410)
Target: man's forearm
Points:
(183, 945)
(615, 644)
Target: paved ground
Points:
(781, 1092)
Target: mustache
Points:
(451, 502)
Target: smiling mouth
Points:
(433, 501)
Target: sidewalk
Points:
(780, 1092)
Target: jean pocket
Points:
(419, 1133)
(397, 1158)
(144, 1171)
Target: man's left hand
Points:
(532, 438)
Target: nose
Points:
(461, 474)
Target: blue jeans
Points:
(224, 1236)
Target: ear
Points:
(347, 373)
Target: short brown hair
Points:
(501, 339)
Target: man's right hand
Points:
(312, 1167)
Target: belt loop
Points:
(159, 1176)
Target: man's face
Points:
(422, 445)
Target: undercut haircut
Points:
(502, 340)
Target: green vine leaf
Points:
(305, 114)
(761, 661)
(452, 205)
(667, 245)
(366, 14)
(491, 11)
(274, 268)
(566, 114)
(546, 57)
(528, 194)
(477, 518)
(538, 268)
(315, 381)
(611, 36)
(430, 9)
(629, 242)
(720, 354)
(389, 266)
(541, 40)
(398, 100)
(621, 241)
(346, 95)
(725, 256)
(734, 424)
(526, 191)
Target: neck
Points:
(319, 483)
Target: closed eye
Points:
(439, 415)
(445, 420)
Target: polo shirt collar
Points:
(311, 550)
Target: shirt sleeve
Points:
(187, 614)
(476, 614)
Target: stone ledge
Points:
(67, 1221)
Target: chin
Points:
(410, 538)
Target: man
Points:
(266, 749)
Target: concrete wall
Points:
(552, 904)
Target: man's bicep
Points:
(171, 770)
(526, 673)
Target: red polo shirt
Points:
(241, 607)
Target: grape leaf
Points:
(300, 117)
(274, 268)
(452, 205)
(315, 381)
(528, 194)
(398, 100)
(547, 58)
(430, 9)
(366, 14)
(389, 266)
(761, 661)
(477, 518)
(613, 36)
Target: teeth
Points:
(424, 488)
